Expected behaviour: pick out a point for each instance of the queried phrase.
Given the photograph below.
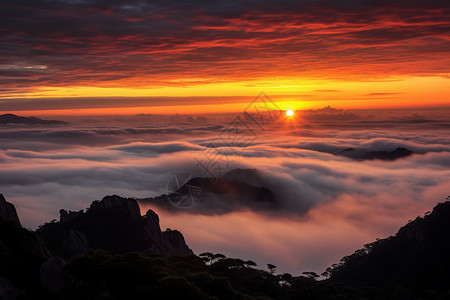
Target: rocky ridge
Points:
(8, 211)
(113, 224)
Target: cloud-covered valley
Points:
(327, 204)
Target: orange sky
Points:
(305, 55)
(405, 92)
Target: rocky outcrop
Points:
(362, 154)
(67, 216)
(51, 274)
(175, 243)
(21, 254)
(8, 211)
(236, 190)
(127, 205)
(152, 232)
(75, 243)
(113, 224)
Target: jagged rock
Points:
(76, 243)
(7, 210)
(175, 243)
(65, 216)
(51, 274)
(21, 254)
(169, 242)
(16, 241)
(113, 224)
(113, 202)
(152, 230)
(7, 290)
(14, 238)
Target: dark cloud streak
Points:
(118, 43)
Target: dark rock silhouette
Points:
(413, 264)
(362, 154)
(51, 274)
(248, 176)
(416, 258)
(113, 224)
(8, 211)
(174, 243)
(74, 243)
(21, 254)
(13, 119)
(236, 190)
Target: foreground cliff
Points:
(113, 224)
(415, 262)
(21, 254)
(8, 211)
(112, 252)
(39, 265)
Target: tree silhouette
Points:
(211, 258)
(271, 268)
(312, 275)
(250, 263)
(285, 279)
(218, 256)
(327, 272)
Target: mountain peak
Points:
(248, 176)
(8, 211)
(236, 190)
(14, 119)
(114, 202)
(363, 154)
(113, 224)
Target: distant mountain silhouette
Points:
(13, 119)
(247, 176)
(235, 190)
(362, 154)
(113, 224)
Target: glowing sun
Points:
(289, 113)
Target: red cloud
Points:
(138, 44)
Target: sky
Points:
(148, 87)
(72, 56)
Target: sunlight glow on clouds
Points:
(329, 205)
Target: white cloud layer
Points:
(329, 205)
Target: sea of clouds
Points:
(329, 205)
